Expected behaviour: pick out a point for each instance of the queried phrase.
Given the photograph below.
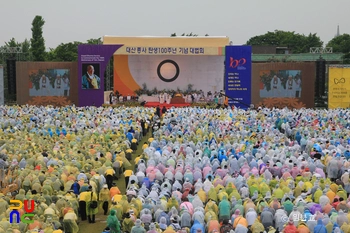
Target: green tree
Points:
(37, 41)
(341, 44)
(11, 44)
(95, 41)
(26, 54)
(297, 42)
(64, 52)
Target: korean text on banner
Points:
(238, 75)
(338, 87)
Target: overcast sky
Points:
(79, 20)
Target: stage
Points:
(155, 104)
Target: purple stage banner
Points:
(92, 63)
(238, 75)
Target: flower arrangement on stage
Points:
(49, 100)
(291, 103)
(145, 91)
(123, 104)
(204, 105)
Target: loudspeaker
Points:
(11, 76)
(320, 82)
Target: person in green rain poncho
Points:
(238, 206)
(288, 205)
(113, 222)
(224, 209)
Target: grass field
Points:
(86, 227)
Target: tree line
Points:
(35, 50)
(300, 43)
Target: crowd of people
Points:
(202, 170)
(61, 158)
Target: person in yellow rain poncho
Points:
(128, 223)
(278, 193)
(91, 209)
(257, 227)
(124, 203)
(210, 214)
(264, 188)
(317, 194)
(172, 203)
(212, 194)
(104, 198)
(249, 204)
(70, 222)
(211, 205)
(253, 188)
(119, 210)
(222, 193)
(202, 195)
(341, 192)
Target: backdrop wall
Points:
(168, 72)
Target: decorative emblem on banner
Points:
(337, 81)
(176, 66)
(237, 63)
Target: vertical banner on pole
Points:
(2, 101)
(238, 75)
(338, 87)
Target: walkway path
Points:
(100, 225)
